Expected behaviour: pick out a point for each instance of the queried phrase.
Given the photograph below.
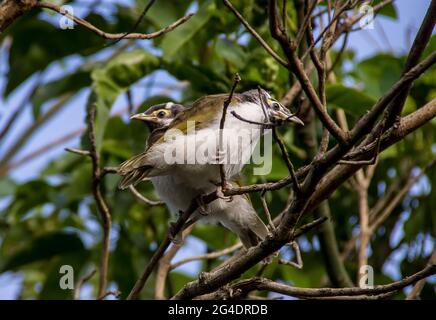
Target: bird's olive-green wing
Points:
(201, 112)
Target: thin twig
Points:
(138, 21)
(42, 150)
(100, 201)
(79, 151)
(264, 125)
(208, 256)
(262, 284)
(417, 288)
(255, 34)
(165, 266)
(78, 286)
(143, 199)
(227, 102)
(290, 166)
(267, 212)
(298, 263)
(171, 234)
(116, 294)
(114, 36)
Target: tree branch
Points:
(246, 286)
(114, 36)
(255, 34)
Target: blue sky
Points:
(388, 35)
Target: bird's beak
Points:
(142, 117)
(294, 119)
(284, 115)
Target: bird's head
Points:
(277, 112)
(160, 115)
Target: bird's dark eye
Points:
(161, 114)
(276, 106)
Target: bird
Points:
(197, 128)
(237, 215)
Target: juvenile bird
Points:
(194, 141)
(237, 215)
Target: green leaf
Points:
(176, 39)
(351, 100)
(7, 187)
(80, 182)
(26, 199)
(112, 80)
(379, 73)
(121, 72)
(68, 83)
(37, 43)
(44, 248)
(202, 79)
(122, 266)
(230, 52)
(387, 11)
(163, 13)
(51, 289)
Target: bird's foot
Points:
(220, 192)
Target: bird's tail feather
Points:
(252, 233)
(136, 162)
(134, 170)
(259, 228)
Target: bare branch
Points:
(227, 102)
(23, 137)
(246, 286)
(267, 212)
(101, 203)
(165, 266)
(79, 152)
(10, 10)
(80, 283)
(40, 151)
(285, 156)
(417, 288)
(298, 263)
(143, 199)
(114, 36)
(255, 34)
(208, 256)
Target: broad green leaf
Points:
(230, 52)
(26, 199)
(7, 187)
(80, 182)
(351, 100)
(122, 266)
(389, 10)
(121, 72)
(163, 13)
(202, 79)
(175, 40)
(67, 83)
(51, 289)
(43, 248)
(115, 78)
(379, 73)
(37, 43)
